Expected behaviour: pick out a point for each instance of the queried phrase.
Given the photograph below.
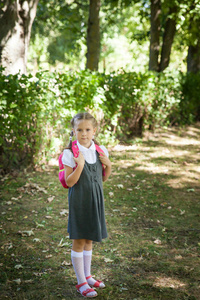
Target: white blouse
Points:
(88, 153)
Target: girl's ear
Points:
(94, 130)
(74, 132)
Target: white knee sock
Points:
(77, 262)
(87, 259)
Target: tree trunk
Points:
(168, 38)
(193, 58)
(93, 36)
(16, 19)
(155, 35)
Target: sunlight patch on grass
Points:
(168, 282)
(182, 142)
(152, 168)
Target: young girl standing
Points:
(86, 202)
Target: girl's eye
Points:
(88, 129)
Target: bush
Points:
(190, 103)
(141, 100)
(36, 111)
(20, 109)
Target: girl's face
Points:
(84, 131)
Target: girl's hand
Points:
(107, 163)
(80, 160)
(72, 176)
(105, 160)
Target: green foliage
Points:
(62, 25)
(139, 100)
(190, 104)
(36, 111)
(19, 119)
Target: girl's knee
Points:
(78, 245)
(88, 245)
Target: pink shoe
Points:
(86, 292)
(97, 284)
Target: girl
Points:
(86, 203)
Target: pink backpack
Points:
(75, 151)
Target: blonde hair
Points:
(78, 117)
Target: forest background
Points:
(134, 64)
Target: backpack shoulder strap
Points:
(75, 149)
(99, 150)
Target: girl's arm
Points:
(72, 176)
(107, 163)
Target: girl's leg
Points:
(87, 259)
(78, 264)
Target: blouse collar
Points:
(82, 148)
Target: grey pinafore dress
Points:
(86, 205)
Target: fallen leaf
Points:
(36, 240)
(134, 209)
(65, 263)
(120, 186)
(26, 232)
(16, 198)
(157, 242)
(28, 281)
(31, 188)
(7, 246)
(178, 257)
(64, 212)
(18, 281)
(190, 190)
(38, 274)
(61, 244)
(18, 267)
(123, 289)
(39, 225)
(108, 260)
(50, 199)
(111, 194)
(5, 177)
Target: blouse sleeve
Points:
(68, 158)
(104, 150)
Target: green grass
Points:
(152, 216)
